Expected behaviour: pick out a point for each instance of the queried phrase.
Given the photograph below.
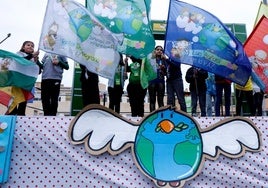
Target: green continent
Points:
(83, 32)
(136, 24)
(188, 153)
(144, 152)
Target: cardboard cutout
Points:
(168, 146)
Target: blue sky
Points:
(23, 19)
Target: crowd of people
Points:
(206, 89)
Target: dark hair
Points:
(158, 47)
(24, 43)
(134, 59)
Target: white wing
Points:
(102, 130)
(231, 138)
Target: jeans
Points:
(176, 86)
(210, 102)
(227, 98)
(201, 97)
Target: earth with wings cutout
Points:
(168, 145)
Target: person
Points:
(26, 51)
(244, 93)
(196, 77)
(258, 95)
(211, 93)
(136, 92)
(116, 86)
(89, 86)
(156, 88)
(52, 70)
(222, 85)
(175, 85)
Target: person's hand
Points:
(163, 57)
(35, 56)
(55, 60)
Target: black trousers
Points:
(246, 96)
(19, 110)
(258, 100)
(115, 95)
(50, 90)
(90, 91)
(156, 91)
(136, 96)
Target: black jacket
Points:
(197, 79)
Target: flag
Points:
(263, 10)
(17, 71)
(147, 72)
(198, 38)
(257, 51)
(11, 96)
(130, 18)
(5, 96)
(69, 29)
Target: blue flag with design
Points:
(130, 18)
(198, 38)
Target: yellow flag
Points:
(263, 10)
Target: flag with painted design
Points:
(257, 51)
(69, 29)
(198, 38)
(132, 18)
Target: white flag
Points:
(69, 29)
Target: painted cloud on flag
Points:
(130, 18)
(69, 29)
(196, 37)
(256, 48)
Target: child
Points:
(26, 51)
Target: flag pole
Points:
(8, 35)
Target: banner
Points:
(198, 38)
(69, 29)
(130, 18)
(17, 71)
(7, 129)
(256, 47)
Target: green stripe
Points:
(10, 78)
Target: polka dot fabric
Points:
(42, 156)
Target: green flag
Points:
(130, 18)
(147, 72)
